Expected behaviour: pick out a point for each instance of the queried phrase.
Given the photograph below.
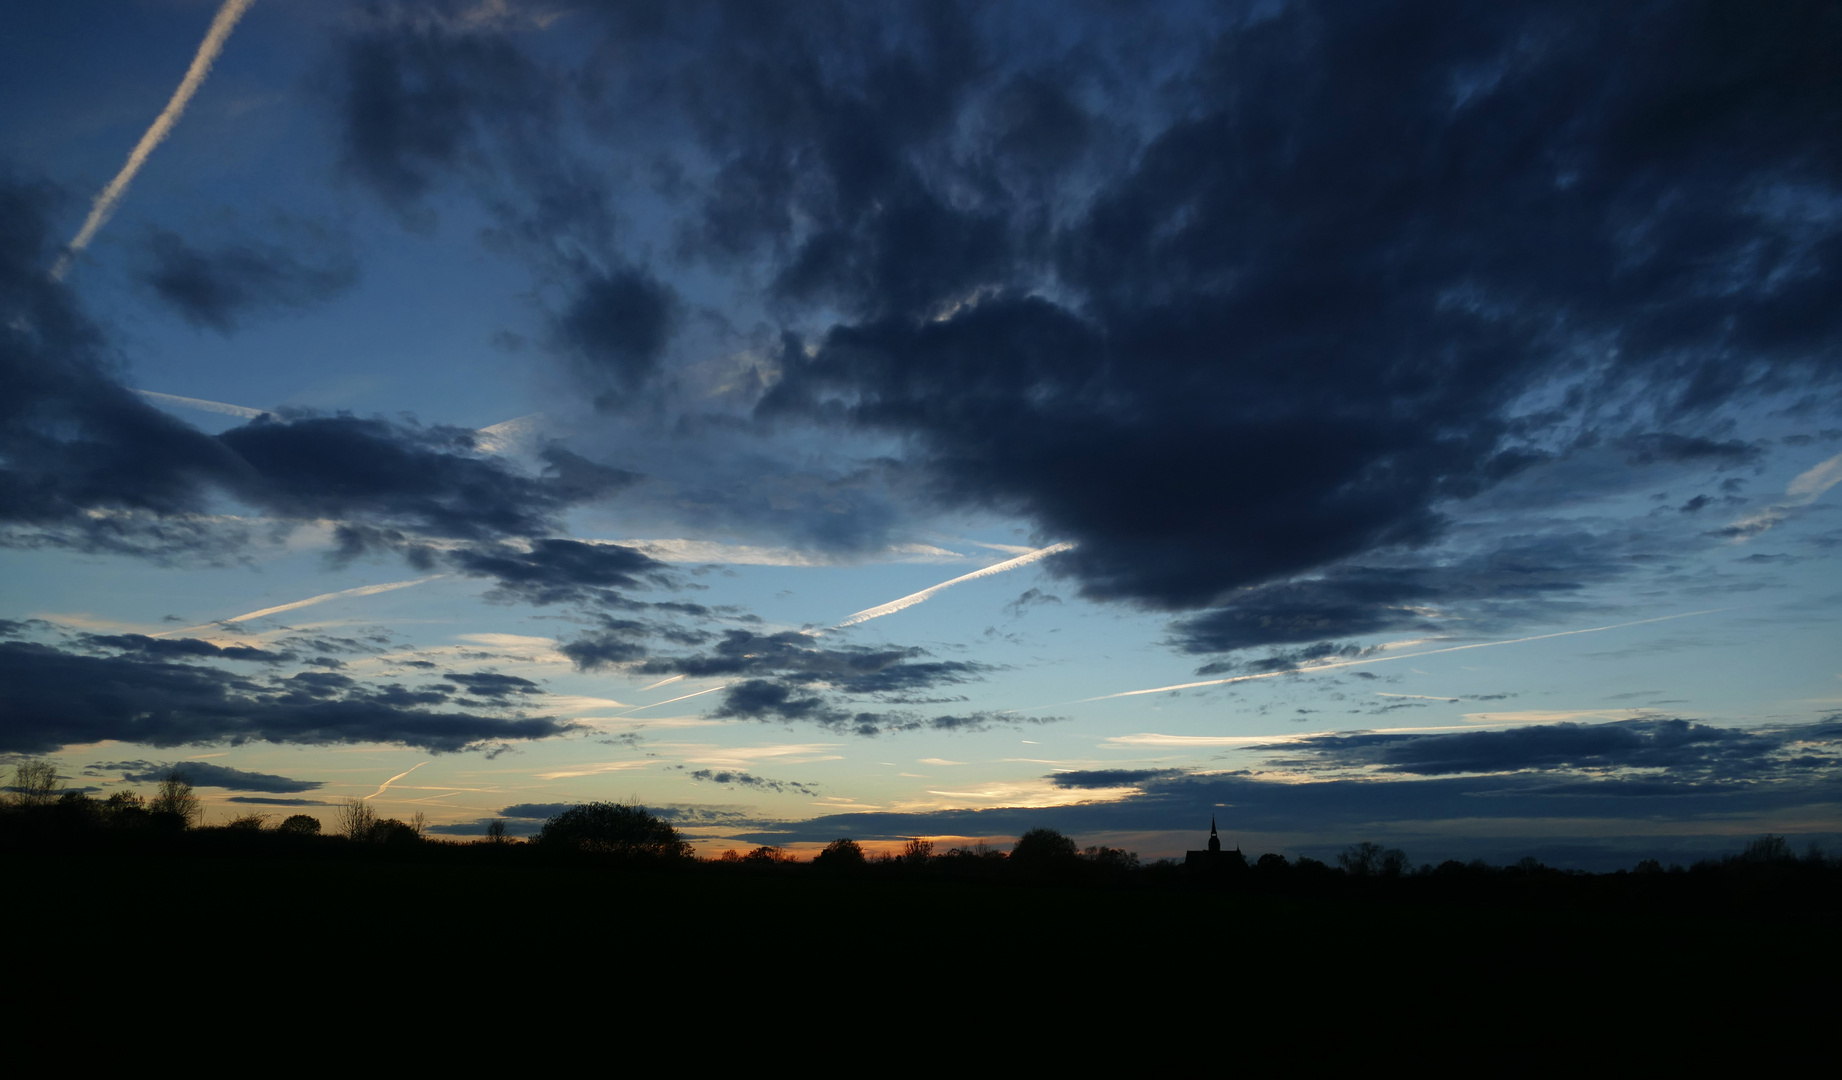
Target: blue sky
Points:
(1414, 426)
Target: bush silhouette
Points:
(614, 829)
(1043, 847)
(300, 825)
(840, 854)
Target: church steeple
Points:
(1215, 842)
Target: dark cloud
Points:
(802, 659)
(553, 571)
(1688, 751)
(499, 688)
(536, 811)
(1109, 778)
(56, 698)
(206, 774)
(152, 646)
(1650, 449)
(1311, 313)
(220, 287)
(1030, 598)
(617, 327)
(416, 100)
(89, 464)
(730, 777)
(794, 677)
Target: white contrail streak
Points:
(668, 701)
(362, 590)
(1385, 659)
(221, 26)
(243, 411)
(385, 786)
(912, 599)
(661, 682)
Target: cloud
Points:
(553, 570)
(1687, 750)
(617, 327)
(57, 698)
(535, 811)
(206, 774)
(218, 288)
(732, 777)
(160, 646)
(500, 688)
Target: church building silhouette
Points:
(1214, 860)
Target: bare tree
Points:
(357, 821)
(176, 797)
(36, 783)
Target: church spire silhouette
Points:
(1215, 842)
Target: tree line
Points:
(36, 809)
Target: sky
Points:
(1415, 423)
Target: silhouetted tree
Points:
(1117, 860)
(841, 854)
(614, 829)
(35, 783)
(356, 819)
(1768, 848)
(250, 822)
(769, 855)
(300, 825)
(1043, 847)
(1361, 860)
(1271, 863)
(495, 831)
(175, 800)
(392, 831)
(918, 852)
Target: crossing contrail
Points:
(1385, 659)
(385, 786)
(912, 599)
(221, 26)
(668, 701)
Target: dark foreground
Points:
(497, 930)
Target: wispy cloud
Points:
(111, 196)
(1385, 659)
(243, 411)
(924, 595)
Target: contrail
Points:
(243, 411)
(1385, 659)
(912, 599)
(362, 590)
(668, 701)
(221, 26)
(381, 788)
(661, 682)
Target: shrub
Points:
(614, 829)
(300, 825)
